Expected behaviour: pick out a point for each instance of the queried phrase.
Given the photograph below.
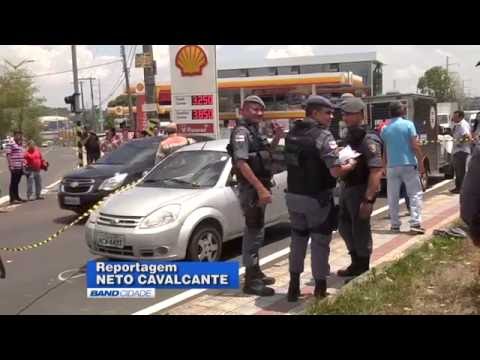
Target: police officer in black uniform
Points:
(311, 156)
(359, 188)
(470, 197)
(252, 160)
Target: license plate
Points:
(71, 200)
(110, 240)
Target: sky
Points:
(404, 64)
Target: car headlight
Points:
(163, 216)
(113, 182)
(94, 216)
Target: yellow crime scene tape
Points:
(54, 236)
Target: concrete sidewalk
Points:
(438, 212)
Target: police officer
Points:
(359, 188)
(470, 198)
(312, 164)
(252, 160)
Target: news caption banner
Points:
(139, 280)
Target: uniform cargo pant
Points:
(355, 231)
(309, 219)
(254, 231)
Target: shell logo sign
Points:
(191, 59)
(140, 88)
(118, 110)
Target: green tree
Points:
(438, 83)
(19, 104)
(122, 100)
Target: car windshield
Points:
(188, 170)
(129, 153)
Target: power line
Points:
(118, 83)
(66, 71)
(115, 88)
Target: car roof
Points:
(151, 140)
(212, 145)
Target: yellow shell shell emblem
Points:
(191, 59)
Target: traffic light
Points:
(72, 101)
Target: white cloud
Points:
(290, 51)
(404, 63)
(51, 59)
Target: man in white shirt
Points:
(462, 139)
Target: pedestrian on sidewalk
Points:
(403, 191)
(359, 188)
(112, 141)
(252, 162)
(404, 163)
(311, 155)
(462, 140)
(470, 198)
(92, 145)
(172, 143)
(33, 166)
(15, 158)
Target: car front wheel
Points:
(205, 244)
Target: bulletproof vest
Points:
(307, 172)
(356, 140)
(259, 158)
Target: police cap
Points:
(254, 99)
(352, 105)
(319, 101)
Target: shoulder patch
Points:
(372, 147)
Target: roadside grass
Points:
(439, 277)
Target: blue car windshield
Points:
(188, 169)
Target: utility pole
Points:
(149, 79)
(100, 120)
(75, 82)
(127, 84)
(77, 120)
(94, 122)
(450, 64)
(83, 103)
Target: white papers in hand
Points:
(346, 154)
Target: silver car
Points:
(185, 207)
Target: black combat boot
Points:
(351, 269)
(320, 291)
(254, 285)
(363, 265)
(267, 280)
(294, 287)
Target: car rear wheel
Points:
(205, 244)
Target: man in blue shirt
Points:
(404, 163)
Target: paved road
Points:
(35, 282)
